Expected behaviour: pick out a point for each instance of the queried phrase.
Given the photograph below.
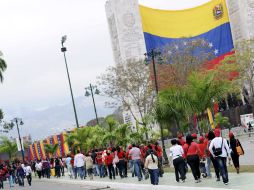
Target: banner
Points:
(18, 144)
(209, 22)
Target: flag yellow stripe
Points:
(182, 23)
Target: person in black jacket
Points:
(234, 155)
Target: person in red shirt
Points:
(202, 147)
(109, 163)
(192, 154)
(180, 140)
(159, 152)
(100, 164)
(121, 164)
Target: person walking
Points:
(58, 167)
(121, 164)
(20, 175)
(192, 154)
(151, 163)
(100, 164)
(28, 173)
(109, 163)
(210, 159)
(38, 168)
(220, 151)
(234, 143)
(79, 164)
(69, 166)
(135, 154)
(46, 168)
(89, 165)
(159, 154)
(177, 153)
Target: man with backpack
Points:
(220, 150)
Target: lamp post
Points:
(152, 55)
(18, 121)
(64, 49)
(93, 90)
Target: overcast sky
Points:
(30, 33)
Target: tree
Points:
(129, 85)
(181, 58)
(220, 120)
(8, 146)
(241, 65)
(51, 149)
(3, 67)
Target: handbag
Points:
(116, 159)
(239, 149)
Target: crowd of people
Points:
(15, 173)
(143, 161)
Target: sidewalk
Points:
(244, 181)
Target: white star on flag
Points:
(176, 47)
(185, 43)
(216, 51)
(210, 45)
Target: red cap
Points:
(194, 135)
(180, 136)
(217, 133)
(206, 135)
(130, 147)
(230, 135)
(201, 139)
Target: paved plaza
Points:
(243, 181)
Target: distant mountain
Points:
(54, 119)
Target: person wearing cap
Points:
(234, 154)
(220, 151)
(180, 140)
(195, 137)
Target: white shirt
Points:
(216, 143)
(38, 166)
(27, 170)
(149, 162)
(135, 153)
(176, 151)
(79, 160)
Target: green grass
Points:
(243, 169)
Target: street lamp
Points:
(152, 55)
(64, 49)
(18, 121)
(91, 90)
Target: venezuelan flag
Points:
(37, 155)
(42, 149)
(31, 152)
(55, 141)
(209, 22)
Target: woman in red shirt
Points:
(109, 163)
(121, 164)
(192, 154)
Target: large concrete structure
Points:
(125, 29)
(127, 38)
(241, 14)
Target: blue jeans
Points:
(137, 166)
(11, 182)
(154, 176)
(222, 165)
(81, 172)
(101, 170)
(208, 166)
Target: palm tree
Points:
(3, 67)
(123, 134)
(9, 147)
(51, 149)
